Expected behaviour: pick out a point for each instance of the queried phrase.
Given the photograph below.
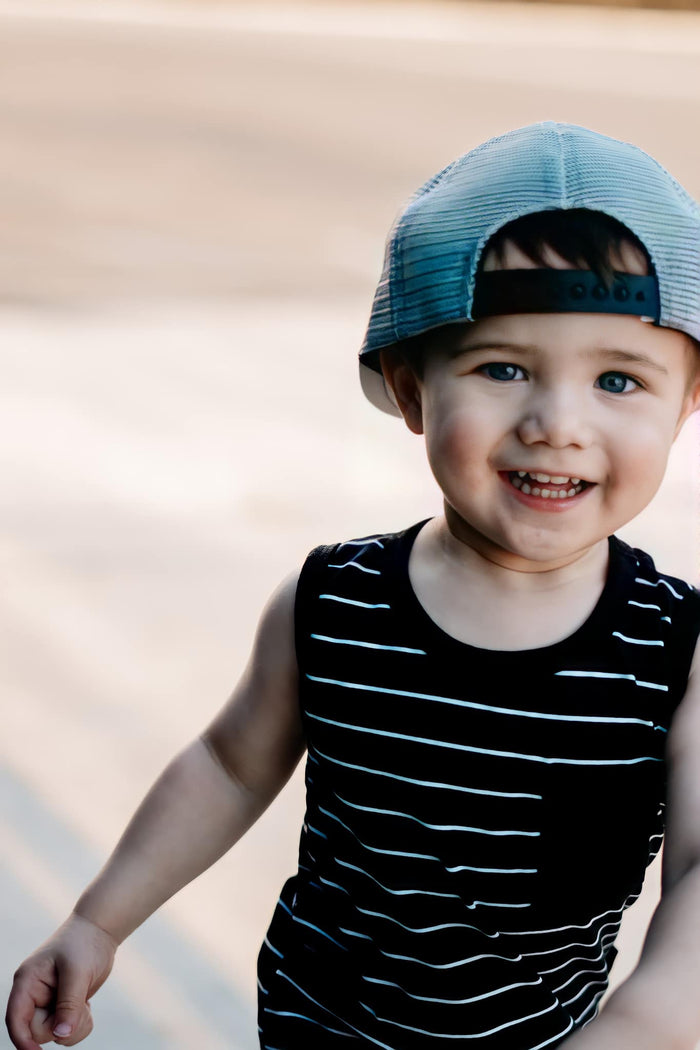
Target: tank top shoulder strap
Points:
(308, 586)
(678, 605)
(347, 575)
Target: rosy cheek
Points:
(456, 459)
(451, 439)
(646, 451)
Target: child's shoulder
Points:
(672, 602)
(359, 552)
(644, 571)
(357, 573)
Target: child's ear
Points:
(406, 388)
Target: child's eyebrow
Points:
(611, 353)
(496, 344)
(614, 354)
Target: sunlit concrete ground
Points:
(193, 202)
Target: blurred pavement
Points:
(193, 202)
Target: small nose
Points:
(555, 417)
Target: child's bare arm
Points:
(214, 790)
(202, 803)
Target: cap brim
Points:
(376, 390)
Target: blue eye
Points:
(500, 371)
(615, 382)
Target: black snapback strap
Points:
(546, 291)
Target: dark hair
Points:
(586, 239)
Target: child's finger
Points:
(71, 1019)
(40, 1027)
(81, 1030)
(42, 1024)
(20, 1013)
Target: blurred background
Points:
(193, 203)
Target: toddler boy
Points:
(498, 704)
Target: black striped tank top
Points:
(477, 821)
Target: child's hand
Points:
(53, 986)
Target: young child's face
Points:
(593, 397)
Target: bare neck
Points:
(480, 602)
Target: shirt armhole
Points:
(307, 594)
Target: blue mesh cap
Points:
(433, 250)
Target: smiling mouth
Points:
(547, 486)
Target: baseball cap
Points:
(433, 250)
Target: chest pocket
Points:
(601, 828)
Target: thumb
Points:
(71, 999)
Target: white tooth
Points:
(535, 491)
(541, 477)
(560, 480)
(571, 492)
(547, 493)
(522, 473)
(575, 481)
(517, 482)
(525, 488)
(555, 494)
